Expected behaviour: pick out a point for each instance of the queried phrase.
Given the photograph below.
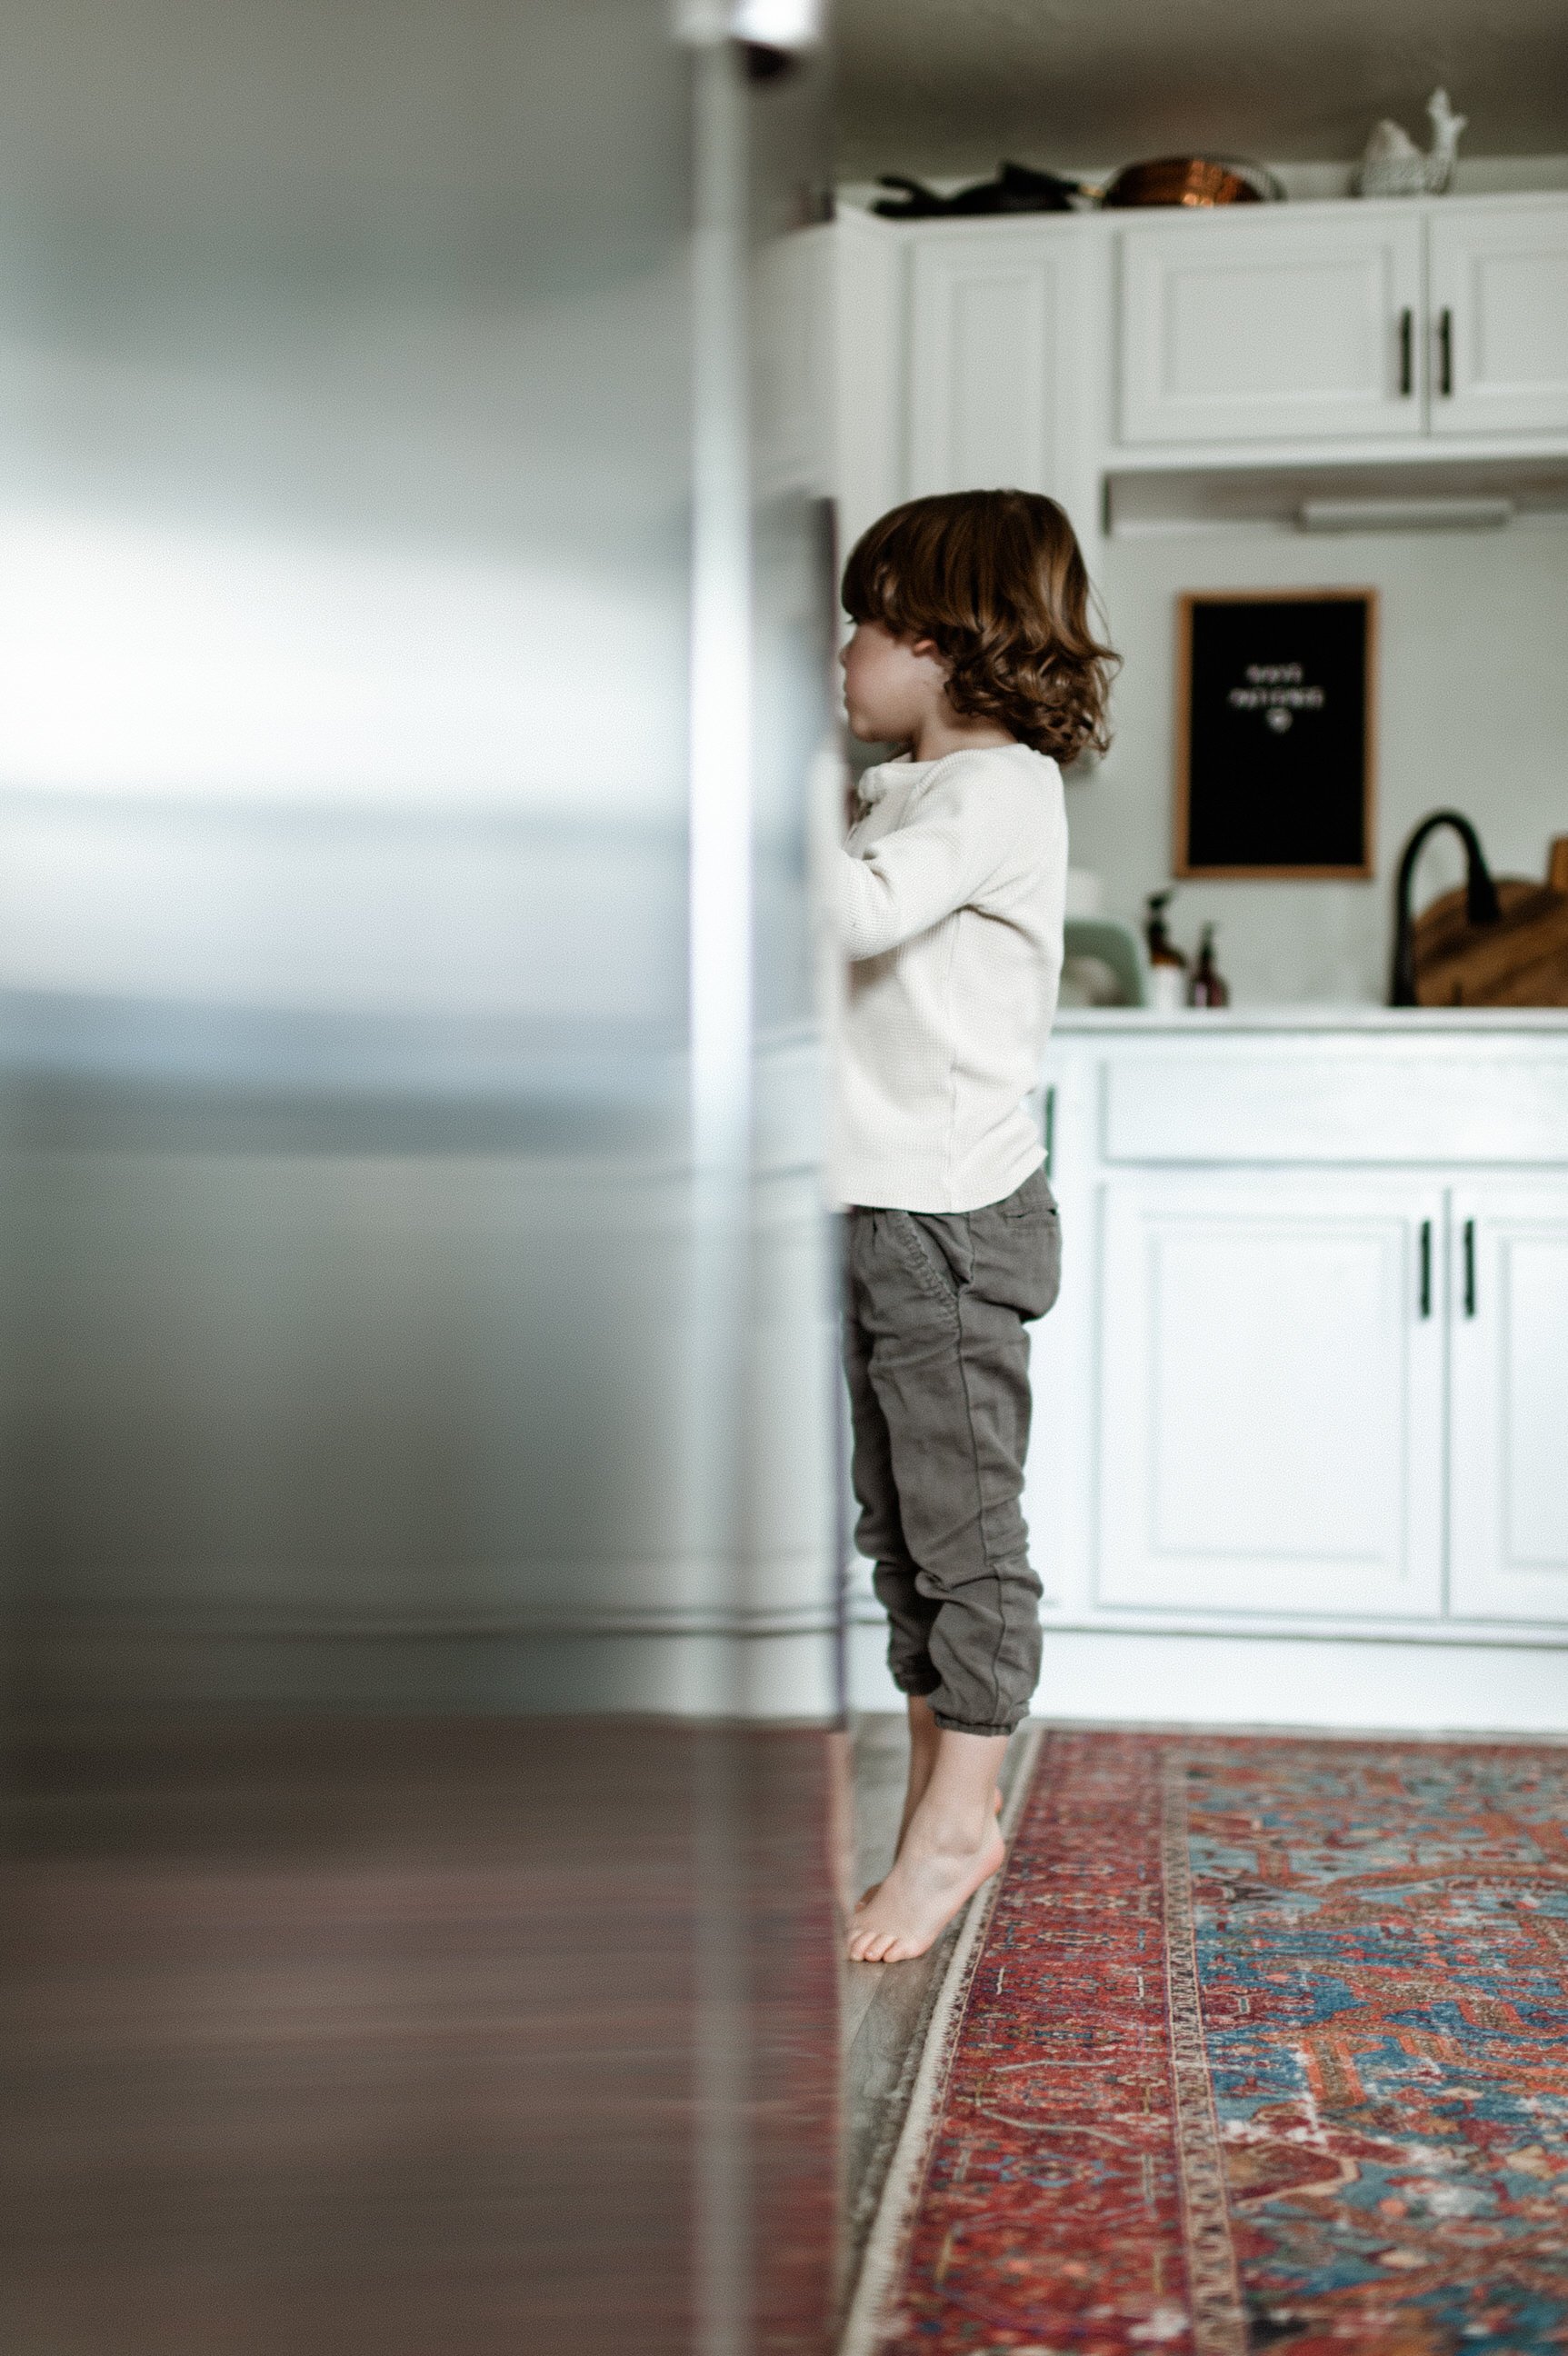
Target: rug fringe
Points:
(906, 2173)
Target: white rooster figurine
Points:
(1393, 165)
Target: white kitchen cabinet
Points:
(1271, 1394)
(1066, 354)
(1282, 1470)
(993, 361)
(1270, 325)
(870, 371)
(999, 374)
(1498, 303)
(1508, 1416)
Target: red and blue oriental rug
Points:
(1258, 2044)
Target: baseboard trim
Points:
(1091, 1677)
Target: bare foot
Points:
(931, 1879)
(869, 1892)
(924, 1736)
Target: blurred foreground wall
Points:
(415, 1343)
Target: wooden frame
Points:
(1182, 863)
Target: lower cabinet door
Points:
(1271, 1425)
(1508, 1412)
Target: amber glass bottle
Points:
(1209, 986)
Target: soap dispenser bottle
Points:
(1167, 967)
(1208, 987)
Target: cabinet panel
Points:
(1509, 1432)
(996, 366)
(1270, 1404)
(1223, 1100)
(1498, 293)
(870, 366)
(1269, 328)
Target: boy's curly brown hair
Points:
(996, 581)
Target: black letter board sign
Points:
(1275, 733)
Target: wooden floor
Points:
(391, 2037)
(885, 2006)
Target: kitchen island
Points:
(1301, 1437)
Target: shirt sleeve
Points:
(957, 841)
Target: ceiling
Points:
(952, 86)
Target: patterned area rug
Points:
(1259, 2044)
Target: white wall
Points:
(1473, 714)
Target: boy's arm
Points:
(920, 873)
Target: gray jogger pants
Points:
(938, 1360)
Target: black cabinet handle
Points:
(1407, 363)
(1446, 351)
(1469, 1268)
(1426, 1268)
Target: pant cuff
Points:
(906, 1685)
(962, 1726)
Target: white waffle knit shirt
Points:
(947, 898)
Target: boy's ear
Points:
(926, 646)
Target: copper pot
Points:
(1184, 180)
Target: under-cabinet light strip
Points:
(1453, 514)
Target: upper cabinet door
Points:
(870, 367)
(1269, 328)
(1508, 1403)
(999, 361)
(1499, 299)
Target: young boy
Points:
(973, 653)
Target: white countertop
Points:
(1408, 1021)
